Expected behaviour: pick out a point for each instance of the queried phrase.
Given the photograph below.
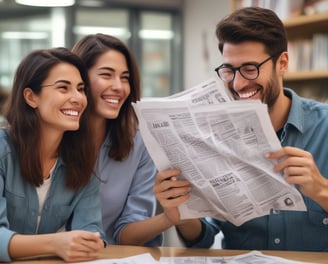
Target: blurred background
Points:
(173, 40)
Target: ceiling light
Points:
(24, 35)
(48, 3)
(115, 31)
(155, 34)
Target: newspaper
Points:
(219, 146)
(250, 257)
(254, 257)
(145, 258)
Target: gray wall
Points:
(201, 54)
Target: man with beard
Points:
(253, 44)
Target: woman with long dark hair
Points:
(46, 163)
(124, 166)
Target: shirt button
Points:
(275, 211)
(277, 241)
(325, 221)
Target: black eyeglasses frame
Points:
(234, 69)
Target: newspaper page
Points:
(254, 257)
(145, 258)
(219, 146)
(207, 92)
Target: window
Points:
(156, 36)
(153, 35)
(18, 36)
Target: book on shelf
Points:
(309, 54)
(287, 8)
(283, 8)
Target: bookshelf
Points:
(313, 81)
(308, 67)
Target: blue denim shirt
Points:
(19, 205)
(126, 190)
(306, 128)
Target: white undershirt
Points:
(43, 191)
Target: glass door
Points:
(156, 37)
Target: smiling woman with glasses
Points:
(249, 70)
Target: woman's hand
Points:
(78, 245)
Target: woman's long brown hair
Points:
(76, 148)
(122, 129)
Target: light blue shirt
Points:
(306, 128)
(19, 204)
(127, 189)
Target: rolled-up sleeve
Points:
(5, 233)
(210, 229)
(5, 237)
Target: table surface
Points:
(125, 251)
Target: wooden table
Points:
(125, 251)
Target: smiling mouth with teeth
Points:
(247, 95)
(112, 101)
(70, 112)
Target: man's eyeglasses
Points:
(250, 71)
